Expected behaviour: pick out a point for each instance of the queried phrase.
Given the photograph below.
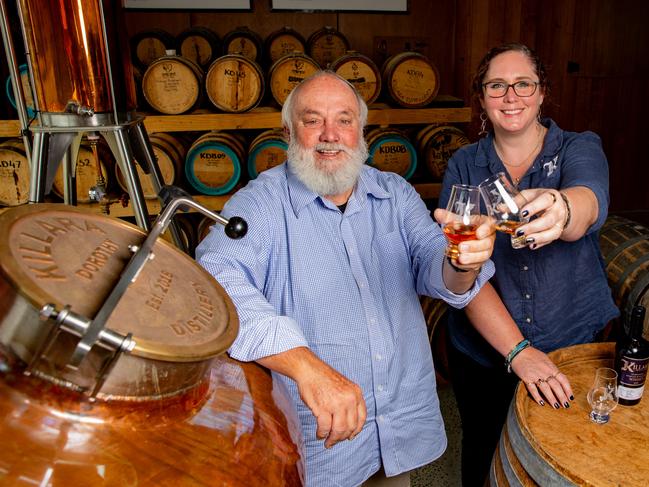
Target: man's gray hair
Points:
(287, 108)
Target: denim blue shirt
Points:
(345, 285)
(558, 294)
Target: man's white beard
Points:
(322, 180)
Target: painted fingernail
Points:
(529, 240)
(572, 398)
(542, 402)
(556, 405)
(533, 246)
(566, 405)
(520, 233)
(524, 213)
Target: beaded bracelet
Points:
(520, 346)
(568, 212)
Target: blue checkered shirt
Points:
(345, 285)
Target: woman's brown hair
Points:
(483, 67)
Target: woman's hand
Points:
(551, 215)
(542, 378)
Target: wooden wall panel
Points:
(603, 42)
(605, 45)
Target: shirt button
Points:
(372, 321)
(380, 387)
(525, 268)
(378, 356)
(381, 418)
(351, 251)
(529, 320)
(527, 296)
(361, 285)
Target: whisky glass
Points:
(504, 203)
(602, 397)
(463, 217)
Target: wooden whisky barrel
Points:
(213, 163)
(435, 314)
(410, 79)
(547, 447)
(243, 41)
(436, 144)
(186, 229)
(14, 173)
(282, 42)
(173, 85)
(361, 72)
(173, 411)
(234, 83)
(203, 228)
(149, 45)
(200, 44)
(170, 152)
(289, 71)
(625, 249)
(27, 90)
(326, 45)
(391, 150)
(266, 150)
(92, 159)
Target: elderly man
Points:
(326, 286)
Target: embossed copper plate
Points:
(54, 253)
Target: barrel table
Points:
(547, 447)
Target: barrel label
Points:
(13, 164)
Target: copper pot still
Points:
(173, 410)
(78, 53)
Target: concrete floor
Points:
(445, 472)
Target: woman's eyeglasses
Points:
(498, 89)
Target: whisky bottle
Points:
(632, 360)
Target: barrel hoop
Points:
(614, 222)
(506, 454)
(627, 243)
(497, 475)
(536, 467)
(636, 293)
(23, 71)
(194, 181)
(400, 140)
(252, 157)
(629, 270)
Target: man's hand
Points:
(473, 253)
(336, 402)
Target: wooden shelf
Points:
(9, 128)
(215, 203)
(266, 118)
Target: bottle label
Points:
(629, 393)
(633, 371)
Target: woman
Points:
(549, 295)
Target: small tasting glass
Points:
(463, 217)
(504, 203)
(602, 397)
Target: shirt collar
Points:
(553, 139)
(367, 184)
